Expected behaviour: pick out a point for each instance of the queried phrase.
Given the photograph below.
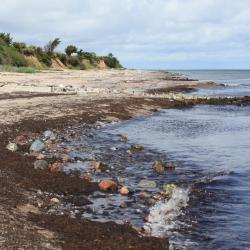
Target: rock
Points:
(56, 167)
(150, 202)
(41, 157)
(124, 190)
(159, 167)
(48, 134)
(147, 184)
(113, 148)
(22, 140)
(55, 200)
(170, 166)
(37, 146)
(99, 166)
(146, 218)
(41, 164)
(129, 152)
(168, 190)
(124, 138)
(108, 185)
(137, 146)
(12, 147)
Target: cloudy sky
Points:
(153, 34)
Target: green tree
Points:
(51, 45)
(6, 38)
(19, 46)
(70, 50)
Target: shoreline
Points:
(20, 182)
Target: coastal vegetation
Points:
(19, 57)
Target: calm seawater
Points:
(237, 81)
(211, 146)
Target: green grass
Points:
(8, 68)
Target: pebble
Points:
(124, 138)
(99, 166)
(170, 166)
(37, 146)
(56, 167)
(48, 134)
(124, 190)
(22, 140)
(41, 164)
(129, 152)
(12, 147)
(55, 200)
(108, 185)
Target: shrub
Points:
(74, 61)
(29, 51)
(62, 57)
(112, 61)
(19, 46)
(44, 58)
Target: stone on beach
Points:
(41, 164)
(12, 147)
(124, 190)
(37, 146)
(54, 200)
(99, 166)
(108, 185)
(22, 140)
(147, 184)
(48, 134)
(56, 167)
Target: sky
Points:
(144, 34)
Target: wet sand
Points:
(23, 223)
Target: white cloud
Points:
(142, 33)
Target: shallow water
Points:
(211, 146)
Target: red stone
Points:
(108, 185)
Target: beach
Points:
(60, 101)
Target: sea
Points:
(210, 146)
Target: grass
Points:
(8, 68)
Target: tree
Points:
(51, 45)
(70, 50)
(6, 38)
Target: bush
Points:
(74, 61)
(45, 59)
(8, 68)
(112, 61)
(29, 51)
(62, 57)
(19, 46)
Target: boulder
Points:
(147, 184)
(37, 146)
(41, 164)
(12, 147)
(108, 185)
